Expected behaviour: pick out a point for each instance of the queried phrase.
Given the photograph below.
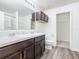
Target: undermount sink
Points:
(18, 37)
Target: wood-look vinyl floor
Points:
(60, 53)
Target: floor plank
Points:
(60, 53)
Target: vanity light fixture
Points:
(34, 0)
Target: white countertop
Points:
(7, 40)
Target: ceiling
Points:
(19, 5)
(47, 4)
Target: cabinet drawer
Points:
(39, 38)
(5, 51)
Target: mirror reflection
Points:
(16, 15)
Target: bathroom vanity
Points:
(31, 47)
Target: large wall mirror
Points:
(15, 15)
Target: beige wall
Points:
(74, 24)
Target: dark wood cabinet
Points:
(40, 16)
(29, 49)
(33, 16)
(37, 16)
(43, 45)
(16, 55)
(38, 50)
(28, 52)
(39, 46)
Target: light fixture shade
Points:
(34, 0)
(31, 2)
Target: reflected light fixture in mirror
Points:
(31, 0)
(34, 0)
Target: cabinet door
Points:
(43, 45)
(37, 16)
(16, 55)
(29, 52)
(33, 17)
(38, 50)
(42, 16)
